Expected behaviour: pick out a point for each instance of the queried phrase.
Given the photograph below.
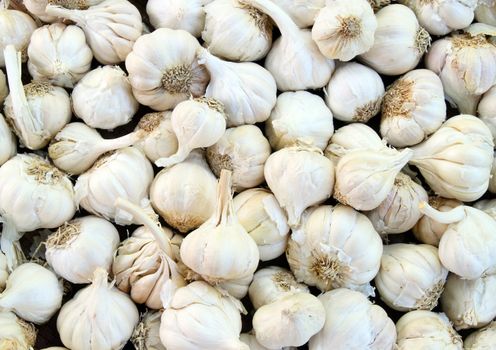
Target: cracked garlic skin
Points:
(8, 145)
(328, 250)
(481, 339)
(159, 140)
(15, 333)
(16, 28)
(146, 335)
(303, 13)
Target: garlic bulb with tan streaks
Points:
(8, 145)
(15, 333)
(159, 140)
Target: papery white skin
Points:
(242, 150)
(111, 27)
(4, 272)
(456, 160)
(97, 317)
(15, 333)
(299, 117)
(303, 13)
(236, 32)
(80, 246)
(344, 29)
(485, 12)
(146, 335)
(184, 194)
(483, 338)
(354, 93)
(306, 171)
(123, 173)
(8, 144)
(251, 340)
(33, 293)
(159, 140)
(294, 59)
(4, 89)
(327, 249)
(247, 90)
(426, 330)
(262, 217)
(401, 54)
(59, 54)
(353, 322)
(38, 7)
(413, 108)
(486, 110)
(488, 206)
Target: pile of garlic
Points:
(305, 174)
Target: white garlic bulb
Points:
(488, 206)
(399, 42)
(456, 160)
(251, 340)
(159, 140)
(344, 29)
(15, 333)
(184, 194)
(483, 338)
(354, 93)
(111, 27)
(485, 12)
(123, 173)
(146, 335)
(289, 321)
(247, 90)
(161, 80)
(59, 54)
(8, 144)
(33, 293)
(80, 246)
(328, 250)
(38, 7)
(236, 31)
(262, 217)
(413, 108)
(294, 59)
(486, 109)
(299, 117)
(97, 317)
(37, 110)
(303, 13)
(299, 177)
(422, 329)
(353, 322)
(4, 272)
(242, 150)
(4, 89)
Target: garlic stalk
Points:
(4, 89)
(485, 12)
(4, 272)
(38, 110)
(486, 110)
(483, 338)
(8, 144)
(158, 140)
(303, 13)
(77, 147)
(146, 335)
(15, 333)
(294, 59)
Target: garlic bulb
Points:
(15, 333)
(184, 194)
(299, 177)
(488, 206)
(364, 178)
(33, 293)
(344, 29)
(38, 7)
(413, 108)
(486, 109)
(299, 117)
(247, 90)
(4, 272)
(158, 140)
(8, 144)
(399, 41)
(196, 123)
(111, 27)
(354, 93)
(485, 12)
(456, 160)
(37, 111)
(216, 317)
(59, 54)
(294, 59)
(146, 335)
(262, 217)
(242, 150)
(353, 322)
(97, 317)
(289, 321)
(251, 340)
(221, 249)
(4, 89)
(303, 13)
(483, 338)
(236, 31)
(123, 173)
(161, 80)
(80, 246)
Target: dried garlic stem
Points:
(107, 145)
(443, 217)
(225, 210)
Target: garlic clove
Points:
(16, 333)
(8, 144)
(16, 28)
(303, 13)
(482, 338)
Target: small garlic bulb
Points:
(8, 144)
(485, 12)
(483, 338)
(59, 54)
(303, 13)
(146, 335)
(184, 194)
(15, 333)
(236, 31)
(422, 329)
(80, 246)
(33, 293)
(413, 108)
(242, 150)
(299, 177)
(456, 160)
(354, 93)
(97, 317)
(123, 173)
(294, 59)
(299, 117)
(399, 42)
(251, 340)
(247, 90)
(344, 29)
(4, 272)
(159, 140)
(353, 322)
(161, 80)
(486, 109)
(260, 214)
(4, 89)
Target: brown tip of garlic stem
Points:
(422, 41)
(64, 235)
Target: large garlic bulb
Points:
(483, 338)
(303, 13)
(4, 89)
(8, 144)
(486, 110)
(159, 140)
(15, 333)
(485, 12)
(146, 335)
